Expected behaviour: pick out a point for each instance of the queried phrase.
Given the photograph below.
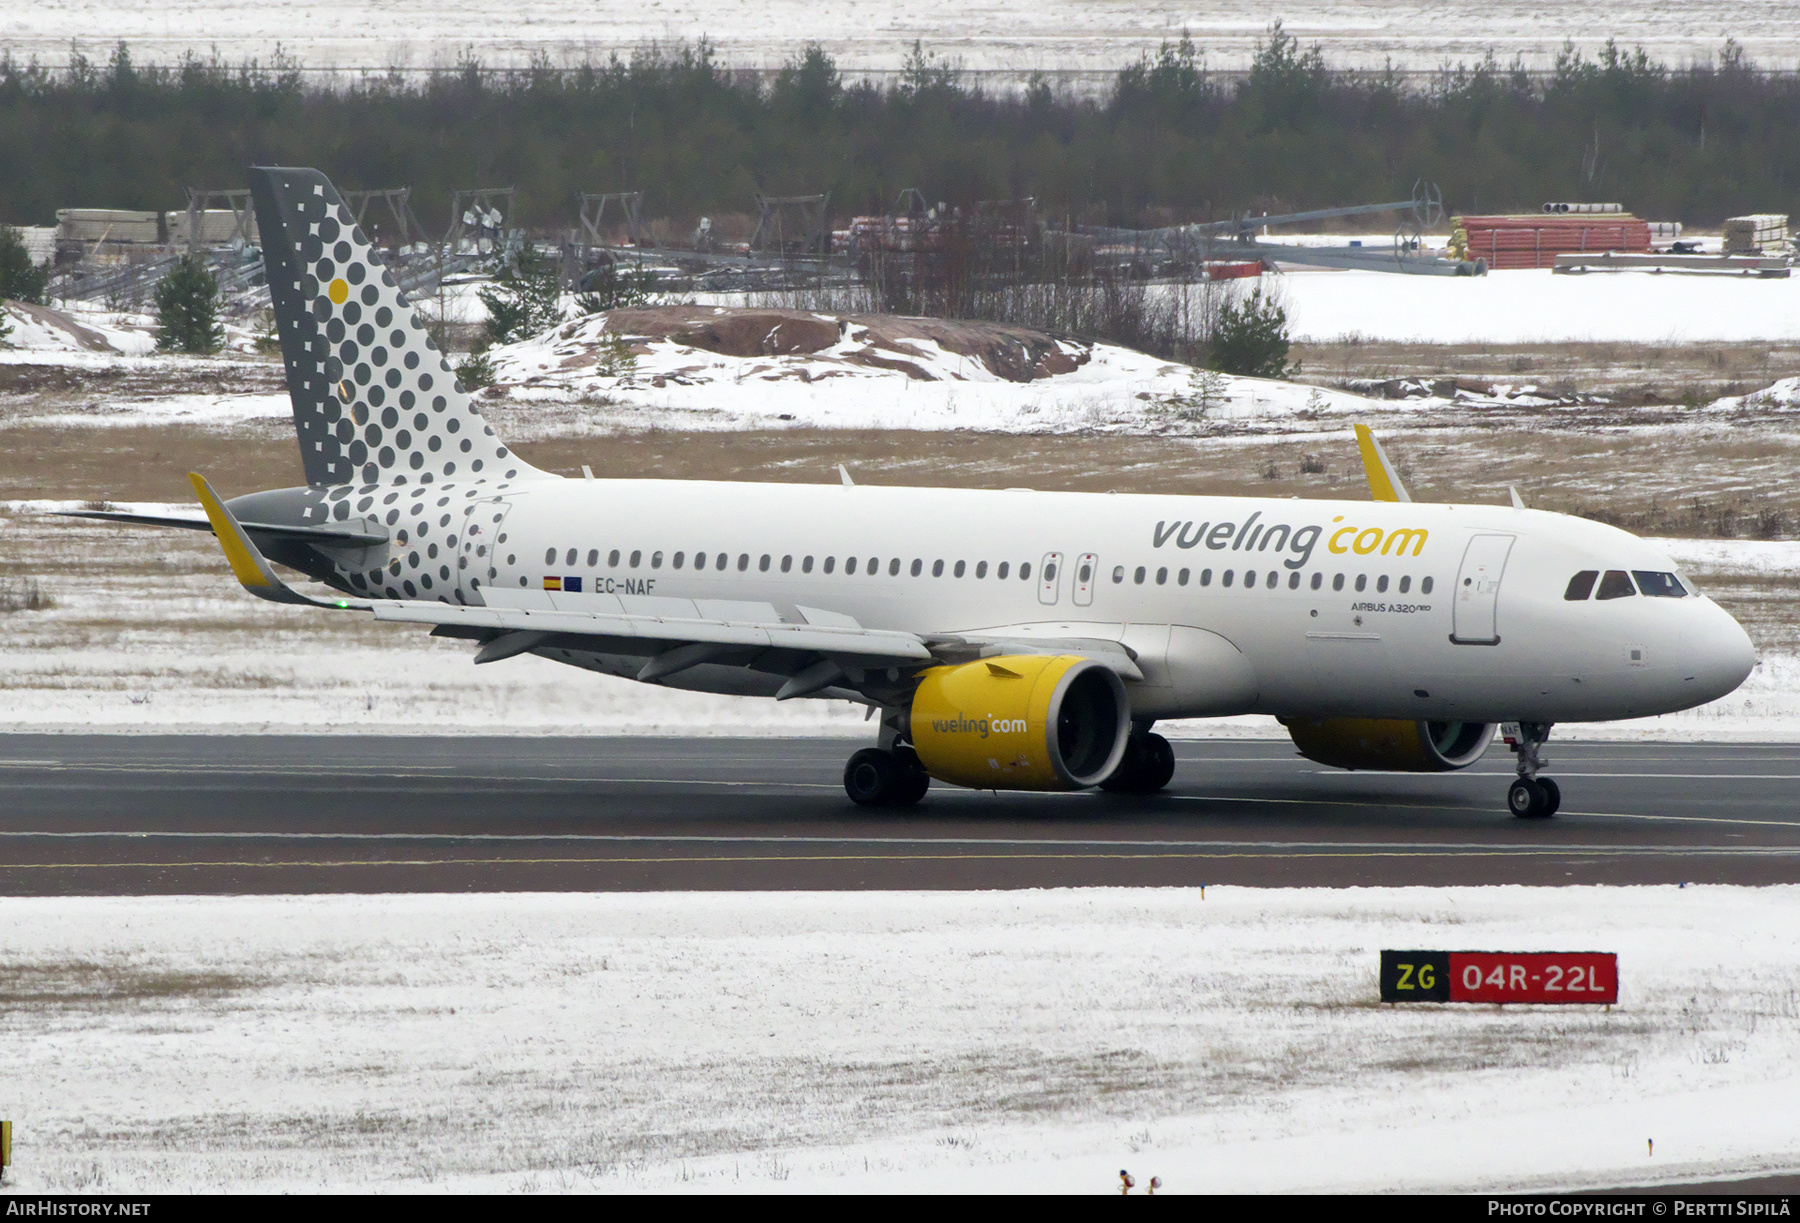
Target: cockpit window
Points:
(1581, 585)
(1659, 585)
(1616, 585)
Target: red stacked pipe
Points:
(1534, 240)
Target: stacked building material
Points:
(1765, 231)
(1534, 240)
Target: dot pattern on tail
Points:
(386, 434)
(375, 402)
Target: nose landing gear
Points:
(1530, 797)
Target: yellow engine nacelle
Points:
(1391, 743)
(1021, 722)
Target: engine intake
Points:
(1021, 722)
(1391, 743)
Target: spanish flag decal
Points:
(552, 583)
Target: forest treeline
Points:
(1168, 140)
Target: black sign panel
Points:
(1415, 976)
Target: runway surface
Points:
(215, 814)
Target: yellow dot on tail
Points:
(338, 290)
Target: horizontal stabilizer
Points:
(327, 536)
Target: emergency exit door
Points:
(1475, 614)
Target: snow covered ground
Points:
(1229, 1040)
(1541, 307)
(1093, 35)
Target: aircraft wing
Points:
(497, 626)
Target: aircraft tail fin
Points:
(375, 402)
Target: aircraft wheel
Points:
(1552, 795)
(911, 788)
(1158, 762)
(872, 777)
(1145, 768)
(1527, 799)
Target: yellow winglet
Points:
(247, 562)
(1384, 482)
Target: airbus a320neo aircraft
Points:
(1010, 640)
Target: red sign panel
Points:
(1534, 976)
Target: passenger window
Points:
(1025, 572)
(1225, 578)
(1118, 574)
(1138, 576)
(919, 565)
(1381, 584)
(1581, 585)
(612, 559)
(1181, 579)
(1425, 586)
(874, 566)
(656, 560)
(894, 568)
(830, 563)
(724, 560)
(937, 569)
(637, 559)
(981, 569)
(1272, 580)
(1293, 581)
(1659, 585)
(743, 561)
(806, 565)
(1337, 582)
(1000, 572)
(849, 565)
(787, 564)
(1318, 580)
(1616, 585)
(1405, 583)
(1362, 582)
(549, 556)
(1249, 578)
(593, 558)
(570, 558)
(763, 564)
(1206, 577)
(961, 568)
(699, 560)
(1162, 576)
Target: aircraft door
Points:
(480, 534)
(1087, 569)
(1050, 578)
(1475, 618)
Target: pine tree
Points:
(187, 309)
(525, 298)
(20, 278)
(1250, 338)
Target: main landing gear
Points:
(1145, 768)
(883, 777)
(1531, 797)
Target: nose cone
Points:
(1716, 655)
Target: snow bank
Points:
(1227, 1041)
(41, 330)
(920, 374)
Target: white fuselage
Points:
(1231, 605)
